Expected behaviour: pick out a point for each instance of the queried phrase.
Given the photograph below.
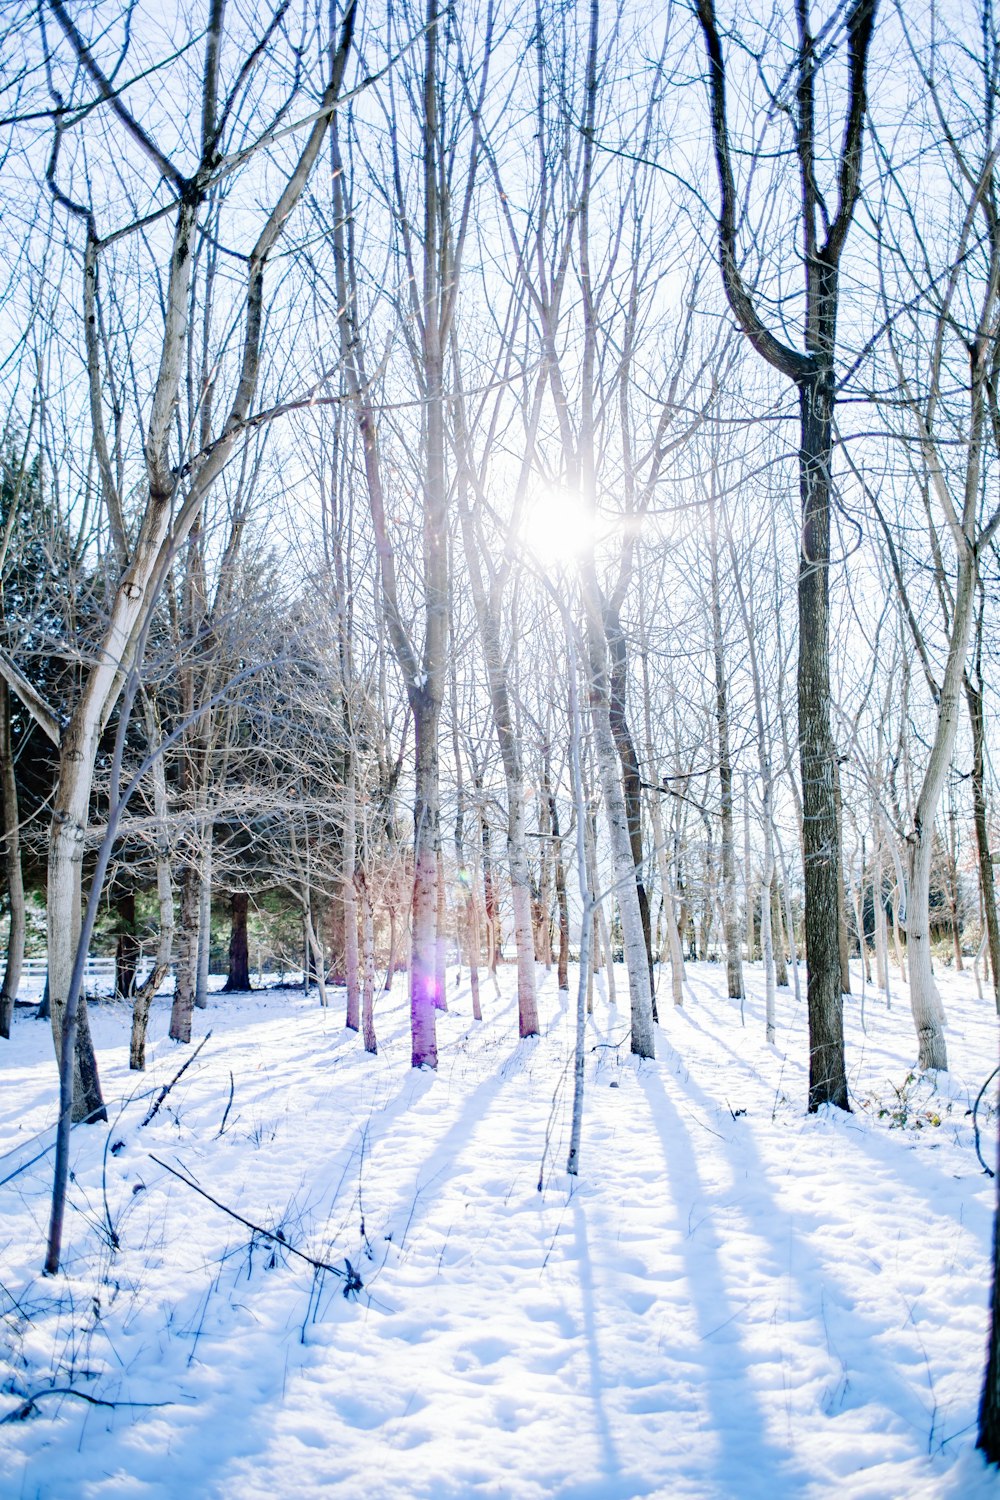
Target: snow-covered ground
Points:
(733, 1300)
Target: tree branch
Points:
(40, 710)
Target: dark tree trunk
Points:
(238, 978)
(812, 372)
(336, 931)
(988, 1439)
(12, 858)
(127, 953)
(974, 699)
(820, 845)
(631, 780)
(843, 932)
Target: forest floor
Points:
(734, 1299)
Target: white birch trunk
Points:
(925, 1001)
(348, 889)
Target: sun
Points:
(558, 526)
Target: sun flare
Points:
(558, 526)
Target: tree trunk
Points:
(205, 916)
(789, 920)
(143, 998)
(974, 699)
(820, 845)
(127, 951)
(70, 816)
(423, 953)
(315, 957)
(546, 851)
(881, 926)
(472, 930)
(186, 959)
(12, 863)
(748, 896)
(631, 780)
(988, 1438)
(349, 899)
(238, 978)
(390, 971)
(489, 890)
(662, 857)
(928, 1015)
(562, 902)
(812, 372)
(517, 854)
(609, 958)
(336, 936)
(777, 936)
(626, 890)
(440, 939)
(368, 981)
(766, 936)
(730, 919)
(843, 934)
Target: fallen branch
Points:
(23, 1411)
(154, 1107)
(975, 1120)
(94, 1114)
(232, 1090)
(352, 1281)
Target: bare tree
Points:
(812, 371)
(174, 489)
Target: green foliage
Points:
(908, 1107)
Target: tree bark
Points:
(12, 864)
(186, 958)
(127, 951)
(348, 889)
(562, 902)
(925, 1001)
(205, 915)
(820, 845)
(748, 896)
(813, 375)
(988, 1438)
(489, 888)
(441, 943)
(843, 933)
(631, 779)
(517, 854)
(143, 997)
(777, 936)
(974, 700)
(238, 978)
(368, 979)
(730, 919)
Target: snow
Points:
(735, 1299)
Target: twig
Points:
(94, 1113)
(352, 1280)
(154, 1107)
(28, 1405)
(225, 1117)
(975, 1121)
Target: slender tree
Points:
(813, 373)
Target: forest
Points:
(499, 619)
